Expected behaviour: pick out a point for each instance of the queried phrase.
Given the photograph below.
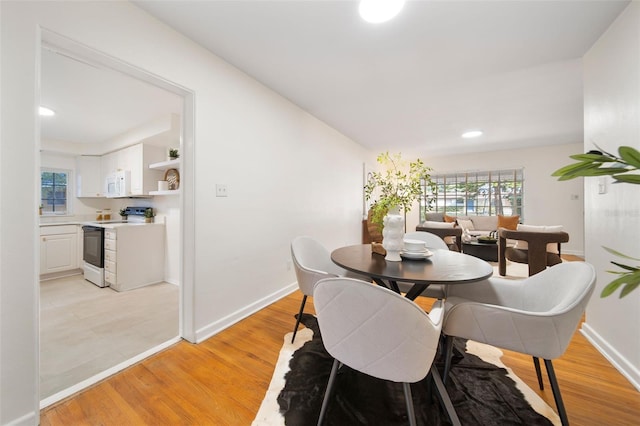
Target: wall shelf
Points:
(166, 165)
(172, 192)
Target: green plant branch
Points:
(397, 186)
(602, 163)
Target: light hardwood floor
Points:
(222, 381)
(85, 330)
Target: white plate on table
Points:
(412, 255)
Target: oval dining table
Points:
(442, 267)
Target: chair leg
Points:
(295, 330)
(448, 352)
(556, 392)
(327, 392)
(443, 396)
(409, 400)
(536, 363)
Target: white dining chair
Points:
(378, 332)
(536, 316)
(434, 242)
(312, 262)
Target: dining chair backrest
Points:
(433, 241)
(536, 316)
(562, 288)
(312, 262)
(376, 331)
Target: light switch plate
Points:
(602, 186)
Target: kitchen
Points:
(111, 294)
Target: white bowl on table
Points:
(415, 246)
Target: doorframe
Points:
(187, 194)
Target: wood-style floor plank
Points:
(222, 381)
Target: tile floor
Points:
(85, 329)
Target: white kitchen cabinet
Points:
(137, 159)
(58, 248)
(89, 177)
(134, 255)
(108, 165)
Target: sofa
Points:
(538, 246)
(451, 228)
(476, 225)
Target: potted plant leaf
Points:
(149, 215)
(394, 191)
(173, 154)
(396, 188)
(621, 168)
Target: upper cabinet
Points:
(89, 178)
(136, 159)
(148, 164)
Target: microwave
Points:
(118, 184)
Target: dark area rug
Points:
(481, 393)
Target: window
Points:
(54, 191)
(474, 193)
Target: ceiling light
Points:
(472, 134)
(376, 11)
(46, 112)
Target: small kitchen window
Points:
(55, 191)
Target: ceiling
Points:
(510, 68)
(93, 103)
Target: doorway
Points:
(67, 299)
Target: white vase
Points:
(393, 235)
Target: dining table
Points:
(440, 267)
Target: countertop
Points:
(101, 224)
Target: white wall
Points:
(612, 119)
(546, 200)
(287, 173)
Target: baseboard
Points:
(573, 252)
(216, 327)
(61, 274)
(616, 359)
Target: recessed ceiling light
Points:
(376, 11)
(46, 112)
(472, 134)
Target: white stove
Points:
(93, 243)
